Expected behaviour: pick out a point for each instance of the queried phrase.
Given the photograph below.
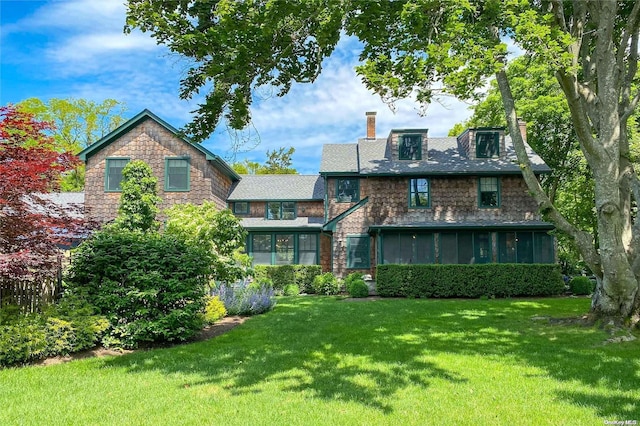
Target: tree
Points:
(419, 48)
(218, 231)
(77, 124)
(278, 162)
(139, 200)
(31, 224)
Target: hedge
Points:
(284, 275)
(491, 280)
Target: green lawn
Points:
(323, 360)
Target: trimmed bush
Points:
(283, 275)
(214, 310)
(243, 299)
(581, 286)
(491, 280)
(151, 287)
(326, 284)
(291, 290)
(358, 288)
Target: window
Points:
(241, 207)
(488, 192)
(419, 193)
(176, 176)
(487, 144)
(525, 247)
(261, 249)
(407, 248)
(347, 190)
(465, 247)
(285, 251)
(358, 252)
(283, 248)
(308, 249)
(281, 210)
(410, 147)
(113, 173)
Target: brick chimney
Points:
(523, 128)
(371, 125)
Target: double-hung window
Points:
(281, 210)
(487, 144)
(241, 207)
(347, 190)
(176, 176)
(419, 193)
(410, 147)
(488, 192)
(113, 174)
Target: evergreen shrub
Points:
(473, 281)
(581, 286)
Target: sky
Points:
(77, 49)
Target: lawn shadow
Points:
(367, 352)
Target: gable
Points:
(140, 120)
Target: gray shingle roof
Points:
(299, 222)
(373, 158)
(278, 187)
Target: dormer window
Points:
(487, 144)
(410, 147)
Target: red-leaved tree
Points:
(32, 225)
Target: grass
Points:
(323, 360)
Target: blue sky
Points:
(76, 49)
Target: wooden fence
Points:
(29, 295)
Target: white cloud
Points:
(86, 47)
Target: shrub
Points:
(349, 279)
(358, 288)
(243, 299)
(581, 286)
(291, 290)
(283, 275)
(326, 284)
(214, 310)
(150, 286)
(491, 280)
(67, 327)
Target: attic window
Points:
(410, 147)
(176, 176)
(487, 144)
(347, 190)
(113, 173)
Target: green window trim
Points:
(177, 174)
(406, 248)
(284, 248)
(358, 251)
(410, 147)
(487, 144)
(280, 210)
(465, 247)
(526, 247)
(419, 193)
(113, 173)
(241, 211)
(489, 192)
(347, 190)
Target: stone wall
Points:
(152, 143)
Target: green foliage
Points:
(139, 200)
(326, 284)
(581, 285)
(283, 275)
(278, 162)
(494, 279)
(358, 288)
(217, 231)
(150, 286)
(78, 124)
(214, 310)
(291, 290)
(69, 326)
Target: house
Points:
(406, 198)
